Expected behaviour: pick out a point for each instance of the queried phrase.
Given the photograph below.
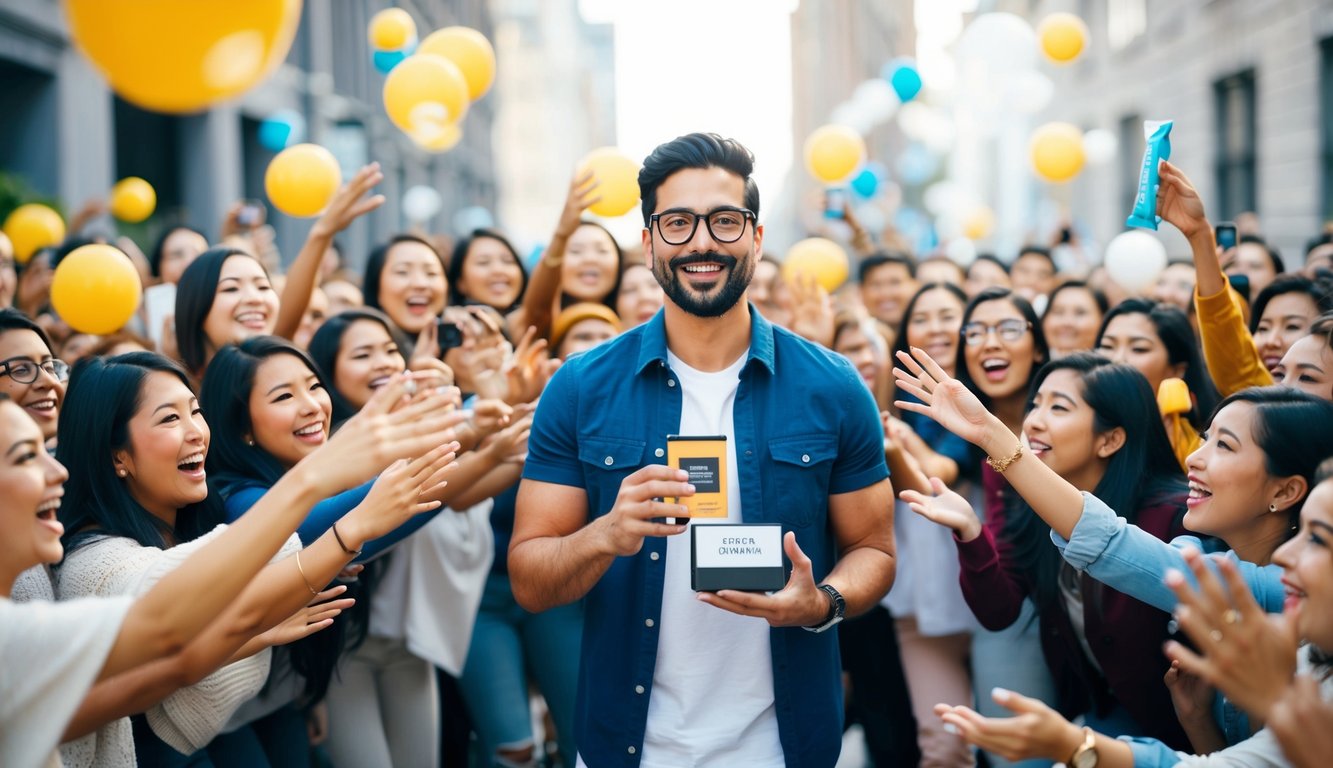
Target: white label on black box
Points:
(738, 546)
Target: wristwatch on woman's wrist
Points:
(837, 608)
(1086, 754)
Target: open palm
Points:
(943, 398)
(945, 508)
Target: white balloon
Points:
(871, 217)
(916, 120)
(948, 198)
(1030, 92)
(421, 203)
(471, 218)
(1005, 43)
(877, 98)
(1099, 146)
(854, 116)
(961, 251)
(1134, 259)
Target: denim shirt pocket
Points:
(607, 461)
(801, 467)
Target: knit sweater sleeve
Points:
(1228, 348)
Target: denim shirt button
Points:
(638, 689)
(671, 382)
(658, 453)
(805, 458)
(632, 750)
(608, 461)
(653, 556)
(749, 453)
(647, 622)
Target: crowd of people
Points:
(412, 514)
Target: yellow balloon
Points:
(446, 139)
(96, 289)
(424, 94)
(1057, 151)
(175, 56)
(822, 259)
(470, 51)
(834, 152)
(1063, 37)
(979, 223)
(391, 29)
(302, 179)
(617, 181)
(133, 200)
(31, 228)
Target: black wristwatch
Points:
(837, 607)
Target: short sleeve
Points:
(50, 655)
(860, 461)
(553, 455)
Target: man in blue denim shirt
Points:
(726, 678)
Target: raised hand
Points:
(638, 503)
(582, 194)
(1178, 202)
(525, 369)
(1247, 654)
(943, 398)
(811, 311)
(1300, 721)
(1036, 730)
(945, 508)
(801, 603)
(401, 492)
(316, 615)
(350, 202)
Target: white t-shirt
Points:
(50, 654)
(712, 697)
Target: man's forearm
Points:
(863, 575)
(554, 570)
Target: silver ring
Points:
(1231, 616)
(1216, 635)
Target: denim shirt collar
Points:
(653, 343)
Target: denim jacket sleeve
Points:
(1133, 561)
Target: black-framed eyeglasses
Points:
(24, 370)
(1012, 329)
(726, 224)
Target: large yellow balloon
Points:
(470, 51)
(391, 29)
(1057, 151)
(302, 179)
(96, 289)
(447, 138)
(1063, 37)
(834, 152)
(822, 259)
(183, 55)
(32, 227)
(133, 200)
(617, 181)
(423, 95)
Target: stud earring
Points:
(250, 441)
(1272, 508)
(120, 472)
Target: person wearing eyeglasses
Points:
(670, 676)
(29, 371)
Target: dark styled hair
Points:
(454, 274)
(696, 150)
(992, 258)
(155, 255)
(104, 395)
(327, 342)
(880, 258)
(1273, 255)
(1040, 352)
(1292, 427)
(1174, 330)
(900, 338)
(1037, 250)
(194, 299)
(1097, 296)
(1284, 284)
(1143, 472)
(370, 284)
(13, 320)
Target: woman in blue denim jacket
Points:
(1247, 482)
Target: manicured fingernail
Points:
(1173, 577)
(1000, 694)
(951, 728)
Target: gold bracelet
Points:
(305, 578)
(1000, 465)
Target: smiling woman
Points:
(224, 297)
(29, 373)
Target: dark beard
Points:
(710, 304)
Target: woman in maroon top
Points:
(1096, 424)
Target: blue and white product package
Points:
(1157, 137)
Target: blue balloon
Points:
(866, 183)
(916, 164)
(282, 129)
(904, 77)
(385, 61)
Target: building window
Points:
(1129, 132)
(1126, 20)
(1326, 127)
(1236, 173)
